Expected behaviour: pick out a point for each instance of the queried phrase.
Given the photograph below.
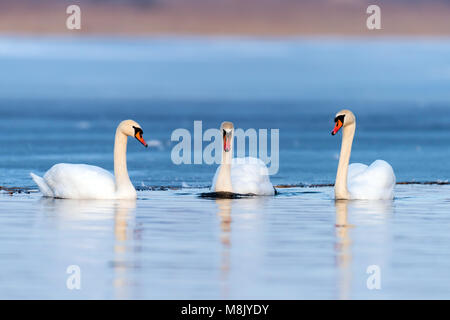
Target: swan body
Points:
(82, 181)
(248, 176)
(372, 182)
(76, 181)
(359, 181)
(240, 175)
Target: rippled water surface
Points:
(61, 100)
(173, 244)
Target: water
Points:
(61, 99)
(171, 244)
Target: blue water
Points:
(171, 244)
(62, 98)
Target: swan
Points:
(240, 175)
(82, 181)
(359, 181)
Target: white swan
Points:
(359, 181)
(82, 181)
(240, 175)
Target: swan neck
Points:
(120, 162)
(223, 182)
(340, 186)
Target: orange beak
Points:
(141, 139)
(337, 127)
(226, 142)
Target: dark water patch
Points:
(157, 188)
(303, 185)
(308, 192)
(403, 198)
(440, 183)
(296, 193)
(15, 190)
(224, 195)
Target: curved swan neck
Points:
(223, 182)
(340, 186)
(120, 162)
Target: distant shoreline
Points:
(239, 19)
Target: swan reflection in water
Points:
(88, 215)
(343, 248)
(367, 212)
(247, 208)
(123, 211)
(224, 215)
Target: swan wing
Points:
(80, 181)
(42, 185)
(355, 169)
(373, 182)
(250, 176)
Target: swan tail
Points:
(43, 187)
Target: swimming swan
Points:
(82, 181)
(359, 181)
(240, 175)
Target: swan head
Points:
(227, 129)
(132, 129)
(342, 119)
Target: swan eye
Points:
(137, 131)
(340, 118)
(339, 122)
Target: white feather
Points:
(374, 182)
(249, 176)
(82, 181)
(76, 181)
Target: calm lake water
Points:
(172, 244)
(62, 98)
